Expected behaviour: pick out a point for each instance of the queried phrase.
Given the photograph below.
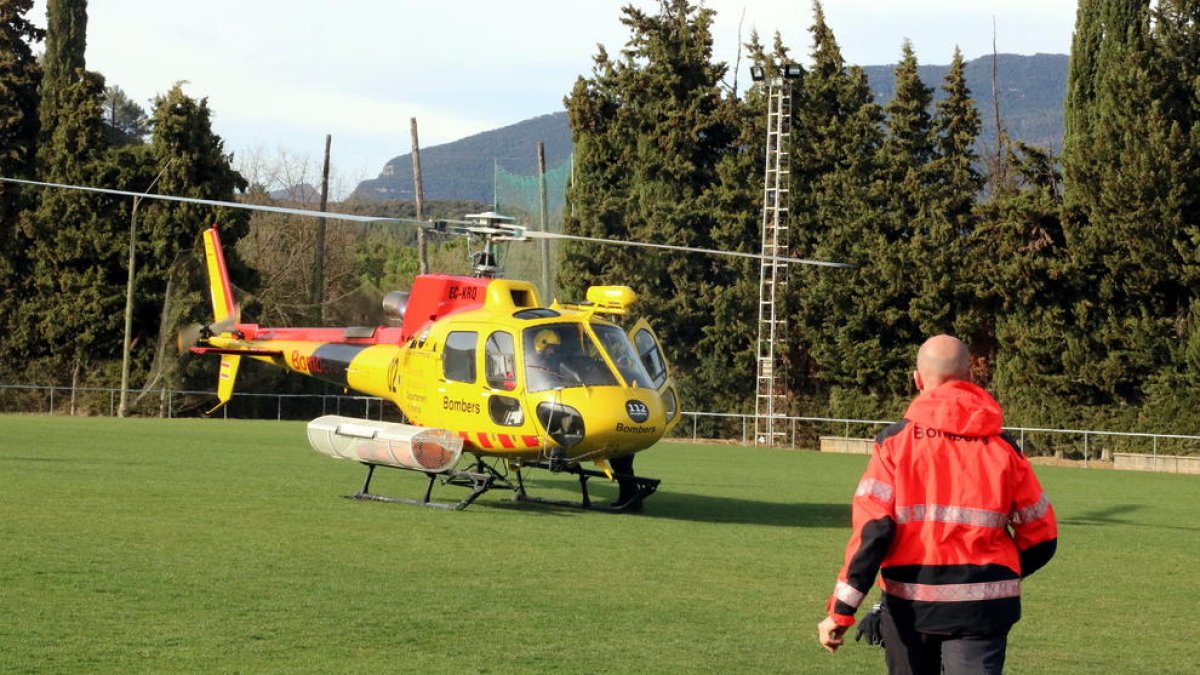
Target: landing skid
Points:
(634, 489)
(482, 477)
(478, 481)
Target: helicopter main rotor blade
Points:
(231, 205)
(459, 227)
(537, 234)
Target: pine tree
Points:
(125, 120)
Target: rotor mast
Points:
(491, 227)
(770, 408)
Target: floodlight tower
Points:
(770, 407)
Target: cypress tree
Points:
(1126, 169)
(650, 130)
(839, 318)
(20, 77)
(62, 65)
(72, 305)
(193, 163)
(948, 255)
(1030, 299)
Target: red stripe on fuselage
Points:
(483, 441)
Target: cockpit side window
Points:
(500, 360)
(651, 357)
(621, 352)
(459, 356)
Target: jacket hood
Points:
(959, 408)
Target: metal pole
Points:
(419, 199)
(317, 291)
(122, 409)
(545, 221)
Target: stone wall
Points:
(1163, 463)
(857, 446)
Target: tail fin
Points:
(225, 379)
(225, 311)
(218, 278)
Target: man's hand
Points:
(829, 634)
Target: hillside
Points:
(1031, 89)
(463, 169)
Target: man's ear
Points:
(918, 381)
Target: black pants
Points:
(913, 653)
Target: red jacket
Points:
(950, 515)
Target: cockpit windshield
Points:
(563, 355)
(621, 352)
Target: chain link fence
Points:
(734, 428)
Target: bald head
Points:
(943, 358)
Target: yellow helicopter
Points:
(477, 364)
(532, 385)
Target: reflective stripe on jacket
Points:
(950, 515)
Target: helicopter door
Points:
(651, 355)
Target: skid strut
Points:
(639, 487)
(478, 481)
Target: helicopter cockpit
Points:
(564, 355)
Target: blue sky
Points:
(279, 76)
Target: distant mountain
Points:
(303, 193)
(464, 169)
(1031, 89)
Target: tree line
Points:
(1073, 278)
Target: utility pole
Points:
(122, 406)
(317, 292)
(419, 199)
(545, 243)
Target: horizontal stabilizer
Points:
(239, 351)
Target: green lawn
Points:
(224, 546)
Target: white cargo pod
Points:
(386, 443)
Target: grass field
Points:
(222, 546)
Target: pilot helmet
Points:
(544, 338)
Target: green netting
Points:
(519, 197)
